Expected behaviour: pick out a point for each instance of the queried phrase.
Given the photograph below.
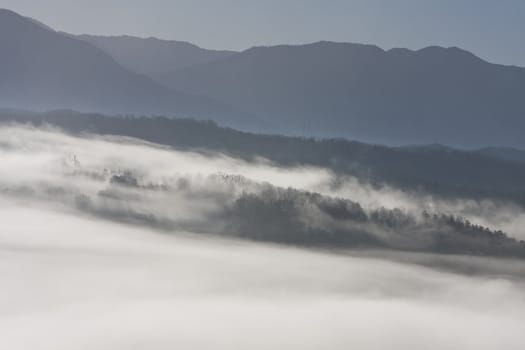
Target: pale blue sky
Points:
(493, 29)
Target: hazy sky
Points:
(493, 29)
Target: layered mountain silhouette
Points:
(42, 69)
(397, 97)
(433, 95)
(152, 56)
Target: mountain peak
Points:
(322, 44)
(7, 12)
(42, 69)
(153, 56)
(9, 17)
(436, 53)
(362, 92)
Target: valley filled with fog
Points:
(350, 176)
(111, 242)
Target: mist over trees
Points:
(440, 171)
(159, 195)
(231, 204)
(293, 217)
(299, 218)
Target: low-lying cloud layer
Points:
(74, 282)
(495, 214)
(77, 275)
(131, 181)
(35, 157)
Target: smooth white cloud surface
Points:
(71, 282)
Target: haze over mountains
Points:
(159, 195)
(336, 194)
(42, 69)
(152, 56)
(399, 96)
(327, 89)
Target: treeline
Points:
(441, 171)
(302, 218)
(262, 212)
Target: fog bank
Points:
(70, 281)
(87, 262)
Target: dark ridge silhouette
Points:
(42, 69)
(440, 171)
(512, 154)
(300, 218)
(325, 89)
(44, 26)
(151, 56)
(286, 216)
(504, 153)
(395, 97)
(427, 148)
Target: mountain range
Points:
(152, 56)
(41, 69)
(325, 89)
(433, 95)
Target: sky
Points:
(492, 29)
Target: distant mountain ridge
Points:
(512, 154)
(502, 153)
(152, 56)
(42, 69)
(399, 96)
(325, 89)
